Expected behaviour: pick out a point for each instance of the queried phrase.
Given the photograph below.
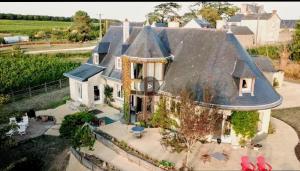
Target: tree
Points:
(284, 56)
(164, 12)
(213, 11)
(196, 123)
(108, 94)
(83, 137)
(81, 26)
(295, 48)
(161, 116)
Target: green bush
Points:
(271, 51)
(74, 121)
(4, 98)
(245, 123)
(2, 41)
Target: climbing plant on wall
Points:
(126, 80)
(245, 123)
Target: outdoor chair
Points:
(22, 129)
(26, 120)
(12, 120)
(246, 164)
(261, 164)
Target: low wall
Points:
(141, 162)
(90, 165)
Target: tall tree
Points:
(296, 43)
(213, 11)
(81, 25)
(164, 12)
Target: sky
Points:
(133, 11)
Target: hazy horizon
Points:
(134, 11)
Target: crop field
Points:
(29, 26)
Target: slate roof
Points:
(264, 63)
(84, 72)
(199, 57)
(147, 45)
(240, 17)
(102, 47)
(241, 70)
(290, 24)
(241, 30)
(202, 22)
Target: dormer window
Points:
(118, 63)
(246, 86)
(96, 58)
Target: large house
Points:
(265, 26)
(142, 63)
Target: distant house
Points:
(244, 35)
(198, 23)
(143, 63)
(265, 26)
(287, 28)
(266, 66)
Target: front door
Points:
(96, 94)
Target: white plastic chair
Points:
(12, 120)
(22, 128)
(26, 120)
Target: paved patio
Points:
(61, 111)
(278, 148)
(290, 92)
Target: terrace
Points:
(284, 141)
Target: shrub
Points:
(271, 51)
(4, 98)
(2, 41)
(72, 122)
(245, 123)
(108, 94)
(83, 137)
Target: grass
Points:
(292, 117)
(41, 153)
(26, 26)
(40, 102)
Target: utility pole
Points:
(100, 29)
(257, 22)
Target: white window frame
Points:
(79, 90)
(119, 91)
(249, 85)
(118, 63)
(96, 58)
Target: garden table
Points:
(137, 130)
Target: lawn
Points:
(292, 117)
(28, 26)
(41, 153)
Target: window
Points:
(247, 85)
(119, 91)
(79, 90)
(118, 63)
(96, 58)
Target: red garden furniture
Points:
(246, 164)
(262, 164)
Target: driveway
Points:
(291, 95)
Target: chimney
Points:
(274, 11)
(125, 30)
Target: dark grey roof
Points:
(241, 30)
(102, 47)
(84, 72)
(200, 57)
(147, 45)
(159, 24)
(202, 22)
(264, 63)
(260, 16)
(241, 70)
(236, 18)
(288, 24)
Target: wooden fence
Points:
(39, 89)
